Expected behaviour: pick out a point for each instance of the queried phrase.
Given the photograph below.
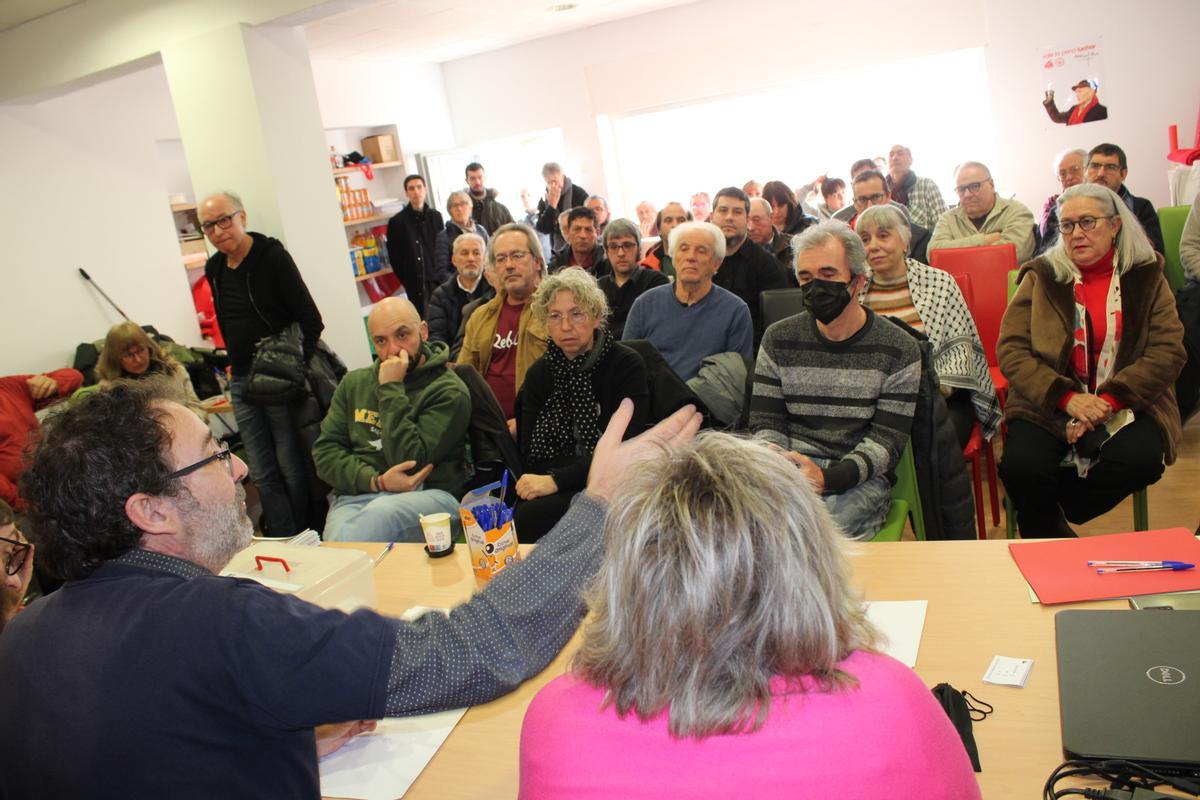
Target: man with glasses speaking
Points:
(982, 217)
(258, 292)
(150, 675)
(502, 338)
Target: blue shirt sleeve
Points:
(741, 331)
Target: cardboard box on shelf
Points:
(380, 148)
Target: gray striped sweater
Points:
(850, 403)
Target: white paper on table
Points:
(382, 765)
(901, 623)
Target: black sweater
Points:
(621, 374)
(277, 298)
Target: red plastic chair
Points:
(976, 444)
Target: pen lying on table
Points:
(1140, 566)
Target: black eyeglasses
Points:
(16, 556)
(220, 222)
(970, 188)
(1084, 223)
(224, 454)
(867, 199)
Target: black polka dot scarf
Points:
(569, 422)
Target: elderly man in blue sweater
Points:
(692, 318)
(835, 386)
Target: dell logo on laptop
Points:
(1167, 676)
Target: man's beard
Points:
(735, 241)
(217, 532)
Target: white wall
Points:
(84, 188)
(705, 50)
(410, 96)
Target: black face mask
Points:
(826, 300)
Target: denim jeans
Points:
(277, 459)
(387, 516)
(860, 510)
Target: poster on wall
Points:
(1072, 80)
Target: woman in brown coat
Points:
(1091, 346)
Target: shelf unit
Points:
(388, 183)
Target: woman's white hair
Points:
(722, 571)
(888, 218)
(1131, 244)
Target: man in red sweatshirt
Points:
(20, 397)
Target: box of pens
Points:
(489, 530)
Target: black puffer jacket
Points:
(946, 499)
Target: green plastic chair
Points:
(1172, 219)
(1012, 283)
(1141, 513)
(906, 502)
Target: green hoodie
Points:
(371, 428)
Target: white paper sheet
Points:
(901, 623)
(383, 764)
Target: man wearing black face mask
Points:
(850, 381)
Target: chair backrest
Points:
(906, 501)
(492, 448)
(988, 268)
(1171, 219)
(777, 304)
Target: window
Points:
(936, 105)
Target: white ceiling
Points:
(18, 12)
(440, 30)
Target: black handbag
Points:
(278, 374)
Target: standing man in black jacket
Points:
(747, 269)
(257, 291)
(412, 236)
(561, 195)
(487, 211)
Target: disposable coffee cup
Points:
(438, 541)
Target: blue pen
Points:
(1153, 566)
(386, 550)
(503, 485)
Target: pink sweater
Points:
(886, 738)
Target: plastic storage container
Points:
(330, 577)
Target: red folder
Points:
(1058, 570)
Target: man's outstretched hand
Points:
(613, 456)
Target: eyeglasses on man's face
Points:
(1067, 226)
(220, 222)
(870, 199)
(515, 256)
(1095, 166)
(15, 552)
(621, 247)
(224, 454)
(970, 188)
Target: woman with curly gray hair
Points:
(727, 656)
(568, 395)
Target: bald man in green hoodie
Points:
(394, 443)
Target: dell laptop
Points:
(1129, 687)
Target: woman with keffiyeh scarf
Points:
(568, 396)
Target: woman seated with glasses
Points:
(568, 396)
(131, 354)
(17, 562)
(726, 655)
(1091, 346)
(929, 300)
